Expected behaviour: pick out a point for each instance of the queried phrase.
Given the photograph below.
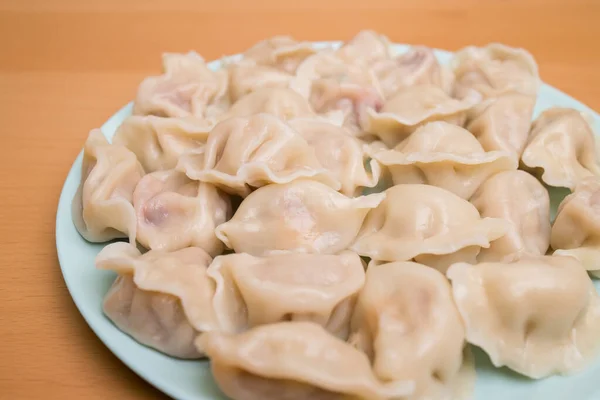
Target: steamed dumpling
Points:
(522, 200)
(248, 77)
(187, 87)
(246, 153)
(328, 67)
(254, 291)
(158, 142)
(334, 85)
(344, 156)
(293, 361)
(411, 108)
(302, 216)
(562, 145)
(503, 123)
(493, 70)
(366, 47)
(407, 323)
(280, 52)
(444, 155)
(430, 225)
(418, 66)
(352, 101)
(174, 212)
(538, 316)
(161, 299)
(281, 102)
(576, 229)
(102, 208)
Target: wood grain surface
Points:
(67, 65)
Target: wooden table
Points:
(67, 65)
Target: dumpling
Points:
(293, 361)
(174, 212)
(562, 145)
(254, 291)
(538, 316)
(246, 153)
(428, 224)
(345, 157)
(333, 85)
(418, 66)
(281, 52)
(301, 216)
(187, 87)
(161, 299)
(283, 103)
(351, 101)
(407, 323)
(328, 67)
(444, 155)
(248, 77)
(366, 47)
(411, 108)
(493, 70)
(576, 229)
(158, 142)
(503, 123)
(101, 208)
(522, 200)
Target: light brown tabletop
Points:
(67, 65)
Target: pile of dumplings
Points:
(344, 222)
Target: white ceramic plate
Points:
(191, 380)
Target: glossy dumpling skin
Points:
(503, 122)
(538, 316)
(301, 216)
(521, 199)
(576, 229)
(562, 148)
(187, 87)
(411, 108)
(417, 66)
(495, 69)
(174, 212)
(332, 85)
(254, 291)
(428, 224)
(405, 320)
(444, 155)
(161, 299)
(293, 361)
(246, 153)
(344, 156)
(158, 142)
(101, 208)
